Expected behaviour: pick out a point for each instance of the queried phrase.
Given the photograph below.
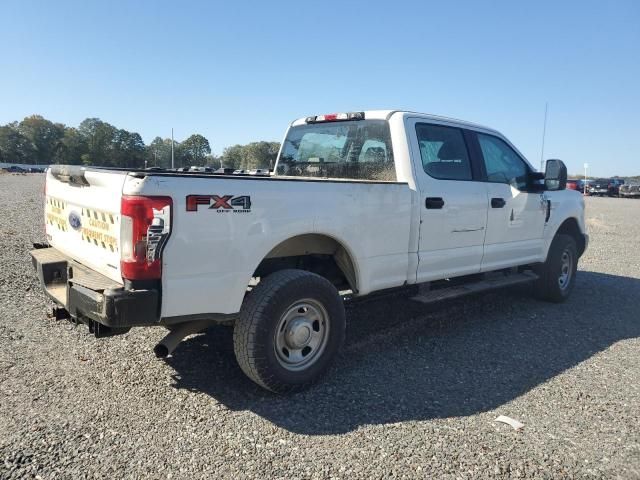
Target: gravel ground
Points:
(414, 393)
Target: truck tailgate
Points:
(82, 216)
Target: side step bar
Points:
(490, 283)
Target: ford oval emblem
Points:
(75, 221)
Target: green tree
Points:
(99, 136)
(15, 147)
(260, 154)
(71, 148)
(194, 150)
(158, 153)
(38, 140)
(44, 135)
(126, 150)
(233, 157)
(212, 160)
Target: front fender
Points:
(567, 215)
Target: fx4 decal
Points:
(220, 203)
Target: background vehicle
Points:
(201, 169)
(630, 190)
(600, 187)
(360, 202)
(15, 169)
(573, 184)
(614, 186)
(259, 171)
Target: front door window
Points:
(502, 163)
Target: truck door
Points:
(453, 203)
(516, 218)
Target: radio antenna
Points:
(544, 132)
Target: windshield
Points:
(353, 150)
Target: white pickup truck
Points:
(358, 203)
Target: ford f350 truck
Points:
(358, 203)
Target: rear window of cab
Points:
(358, 150)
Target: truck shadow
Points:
(406, 361)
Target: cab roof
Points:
(386, 114)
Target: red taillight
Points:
(145, 226)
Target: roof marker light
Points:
(335, 117)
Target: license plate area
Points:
(57, 272)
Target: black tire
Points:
(550, 286)
(267, 317)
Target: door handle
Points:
(434, 202)
(498, 202)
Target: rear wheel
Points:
(290, 328)
(558, 273)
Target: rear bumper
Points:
(91, 297)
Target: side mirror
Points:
(555, 175)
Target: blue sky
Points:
(241, 71)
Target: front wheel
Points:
(291, 326)
(557, 275)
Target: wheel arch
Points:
(571, 227)
(313, 252)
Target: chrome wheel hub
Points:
(301, 335)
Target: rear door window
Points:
(443, 152)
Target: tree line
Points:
(38, 141)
